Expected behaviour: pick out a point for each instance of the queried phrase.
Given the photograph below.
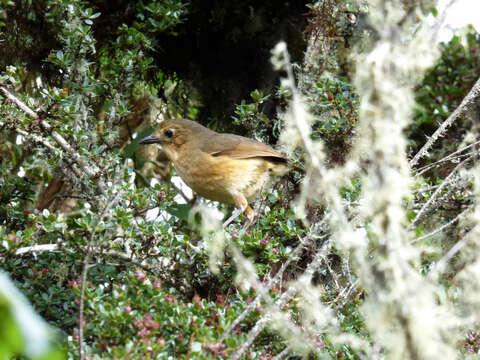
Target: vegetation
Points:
(372, 253)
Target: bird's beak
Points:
(150, 140)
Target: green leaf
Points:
(181, 211)
(99, 149)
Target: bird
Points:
(227, 168)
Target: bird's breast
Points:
(219, 177)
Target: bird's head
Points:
(174, 134)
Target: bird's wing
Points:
(239, 147)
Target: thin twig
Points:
(182, 193)
(286, 296)
(90, 171)
(460, 184)
(455, 159)
(283, 353)
(45, 143)
(129, 259)
(450, 157)
(465, 107)
(345, 293)
(443, 227)
(85, 272)
(427, 206)
(421, 191)
(261, 323)
(293, 257)
(111, 253)
(442, 263)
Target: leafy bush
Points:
(102, 246)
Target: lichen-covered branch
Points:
(434, 201)
(462, 110)
(402, 309)
(91, 171)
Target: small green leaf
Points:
(99, 149)
(181, 211)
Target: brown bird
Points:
(227, 168)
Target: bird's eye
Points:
(168, 133)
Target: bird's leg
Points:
(241, 205)
(249, 215)
(236, 213)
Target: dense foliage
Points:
(122, 264)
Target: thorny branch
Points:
(432, 203)
(443, 227)
(286, 296)
(465, 108)
(294, 256)
(455, 156)
(92, 172)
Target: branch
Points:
(112, 253)
(294, 256)
(443, 227)
(281, 355)
(286, 296)
(91, 172)
(442, 263)
(47, 144)
(36, 248)
(464, 108)
(261, 323)
(455, 156)
(88, 256)
(431, 204)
